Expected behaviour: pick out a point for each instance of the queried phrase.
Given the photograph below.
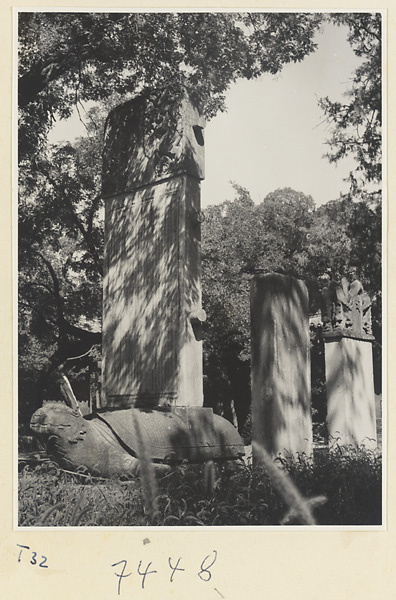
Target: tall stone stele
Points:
(152, 403)
(153, 163)
(281, 388)
(346, 316)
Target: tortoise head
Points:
(55, 419)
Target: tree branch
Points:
(56, 290)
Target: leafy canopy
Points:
(357, 122)
(70, 58)
(285, 233)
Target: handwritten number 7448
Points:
(204, 574)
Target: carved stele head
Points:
(153, 137)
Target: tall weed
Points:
(337, 488)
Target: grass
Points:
(338, 488)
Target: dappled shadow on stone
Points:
(152, 401)
(281, 395)
(152, 349)
(347, 333)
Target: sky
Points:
(273, 135)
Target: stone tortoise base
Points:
(115, 442)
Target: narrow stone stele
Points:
(281, 389)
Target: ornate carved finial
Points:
(346, 307)
(324, 281)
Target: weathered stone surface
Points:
(152, 291)
(281, 394)
(115, 442)
(346, 307)
(76, 442)
(152, 313)
(188, 433)
(347, 333)
(351, 417)
(157, 135)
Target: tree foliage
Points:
(357, 122)
(66, 59)
(286, 234)
(60, 263)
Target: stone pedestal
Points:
(351, 416)
(347, 334)
(281, 390)
(152, 167)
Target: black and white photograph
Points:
(200, 219)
